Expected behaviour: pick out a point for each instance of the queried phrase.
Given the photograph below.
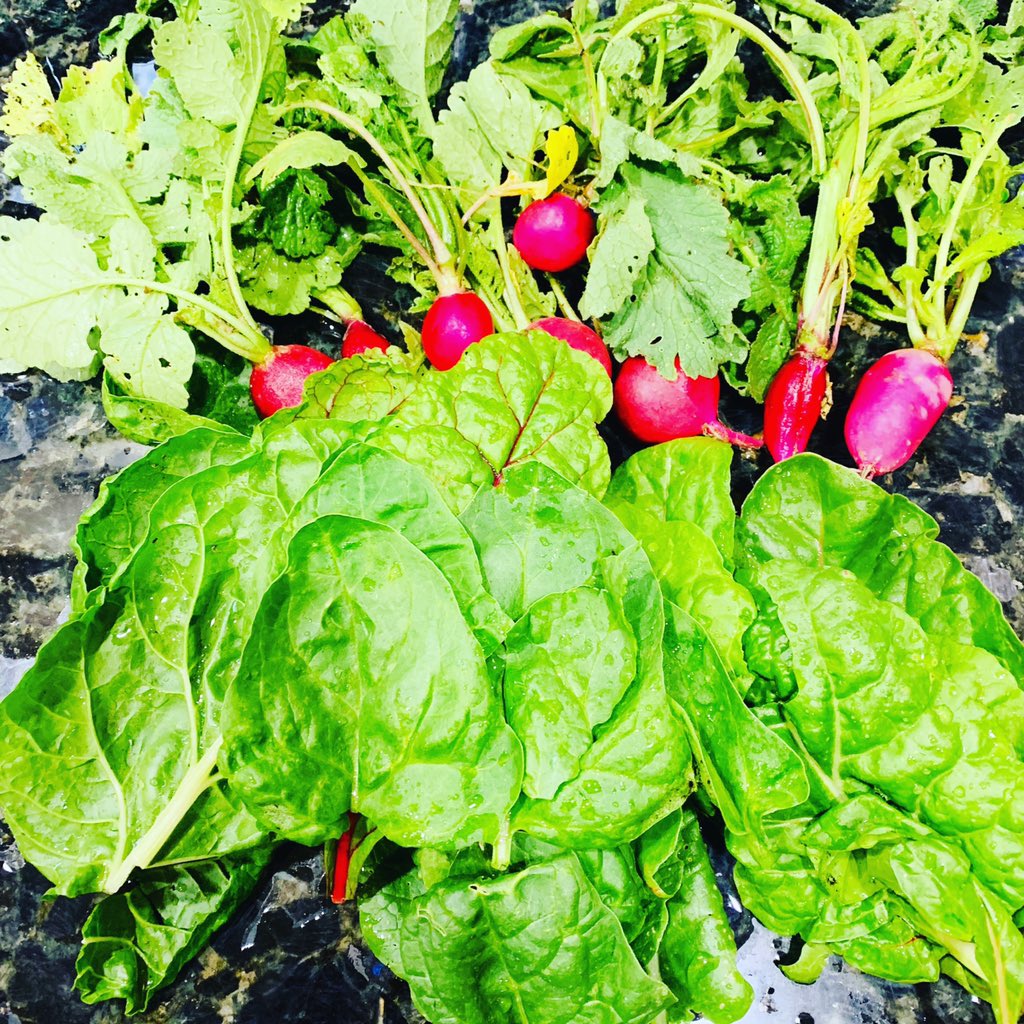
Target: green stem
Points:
(511, 292)
(256, 349)
(227, 201)
(597, 88)
(659, 74)
(374, 191)
(961, 311)
(955, 213)
(442, 254)
(560, 297)
(798, 87)
(193, 784)
(816, 299)
(914, 329)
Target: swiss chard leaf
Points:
(158, 650)
(136, 942)
(537, 945)
(815, 512)
(368, 697)
(511, 399)
(697, 955)
(563, 566)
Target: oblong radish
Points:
(576, 335)
(361, 337)
(553, 234)
(452, 324)
(654, 409)
(277, 382)
(793, 404)
(898, 401)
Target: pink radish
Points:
(361, 337)
(277, 382)
(576, 335)
(897, 402)
(553, 234)
(452, 324)
(793, 404)
(655, 409)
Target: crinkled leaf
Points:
(370, 698)
(697, 955)
(491, 124)
(535, 945)
(817, 513)
(511, 399)
(413, 42)
(136, 942)
(563, 566)
(682, 300)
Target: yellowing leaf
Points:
(562, 150)
(29, 104)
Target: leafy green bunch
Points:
(420, 597)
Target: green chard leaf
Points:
(372, 699)
(159, 649)
(697, 955)
(675, 499)
(812, 511)
(682, 299)
(136, 942)
(537, 944)
(511, 399)
(586, 605)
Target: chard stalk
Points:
(192, 785)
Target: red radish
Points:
(361, 337)
(655, 409)
(452, 324)
(277, 382)
(553, 233)
(897, 402)
(793, 404)
(576, 335)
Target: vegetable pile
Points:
(713, 184)
(410, 612)
(426, 606)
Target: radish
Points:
(277, 382)
(793, 404)
(553, 234)
(452, 324)
(361, 337)
(897, 402)
(576, 335)
(655, 409)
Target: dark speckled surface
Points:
(291, 956)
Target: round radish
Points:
(277, 382)
(576, 335)
(897, 402)
(452, 324)
(553, 233)
(361, 337)
(793, 404)
(655, 409)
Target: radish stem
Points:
(442, 254)
(560, 297)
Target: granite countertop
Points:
(290, 955)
